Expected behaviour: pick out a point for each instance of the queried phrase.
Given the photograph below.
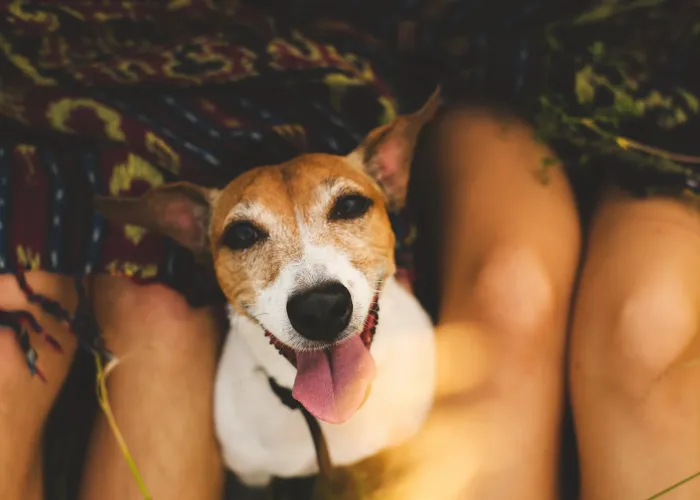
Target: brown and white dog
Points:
(304, 253)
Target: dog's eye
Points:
(351, 206)
(241, 235)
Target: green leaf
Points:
(625, 104)
(691, 100)
(538, 137)
(552, 41)
(601, 12)
(657, 100)
(597, 50)
(585, 89)
(611, 8)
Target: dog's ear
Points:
(180, 211)
(387, 151)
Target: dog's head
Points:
(302, 249)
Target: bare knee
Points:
(152, 316)
(511, 241)
(514, 290)
(513, 294)
(167, 359)
(653, 325)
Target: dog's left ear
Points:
(181, 211)
(387, 151)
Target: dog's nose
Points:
(322, 312)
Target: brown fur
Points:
(293, 193)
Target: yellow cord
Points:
(102, 398)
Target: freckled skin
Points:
(293, 193)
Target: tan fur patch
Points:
(297, 195)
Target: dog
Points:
(304, 253)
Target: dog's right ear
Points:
(387, 151)
(180, 211)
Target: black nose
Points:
(322, 312)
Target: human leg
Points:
(635, 363)
(510, 254)
(161, 394)
(25, 401)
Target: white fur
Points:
(251, 210)
(261, 438)
(317, 264)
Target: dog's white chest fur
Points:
(260, 437)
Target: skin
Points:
(510, 259)
(635, 350)
(25, 401)
(500, 376)
(161, 391)
(161, 396)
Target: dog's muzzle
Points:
(333, 383)
(321, 313)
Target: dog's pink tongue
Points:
(332, 384)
